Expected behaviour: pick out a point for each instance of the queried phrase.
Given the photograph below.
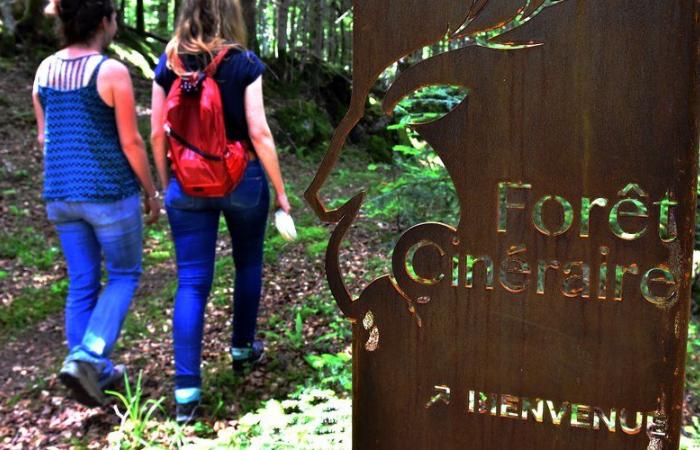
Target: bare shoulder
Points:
(43, 65)
(114, 70)
(45, 62)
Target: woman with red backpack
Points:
(210, 130)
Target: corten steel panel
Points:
(598, 102)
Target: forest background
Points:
(300, 396)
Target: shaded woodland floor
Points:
(298, 317)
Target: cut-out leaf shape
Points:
(415, 78)
(427, 104)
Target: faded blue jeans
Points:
(195, 224)
(89, 232)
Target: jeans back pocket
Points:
(248, 193)
(176, 198)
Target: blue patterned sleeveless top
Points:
(83, 158)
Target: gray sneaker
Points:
(82, 380)
(186, 412)
(115, 379)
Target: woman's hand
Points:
(151, 207)
(283, 202)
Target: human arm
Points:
(159, 143)
(115, 79)
(39, 114)
(264, 143)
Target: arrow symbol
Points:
(442, 394)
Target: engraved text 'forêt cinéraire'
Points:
(628, 217)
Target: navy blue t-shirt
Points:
(237, 70)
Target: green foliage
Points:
(294, 336)
(33, 305)
(311, 419)
(154, 19)
(136, 418)
(422, 188)
(161, 247)
(141, 58)
(313, 238)
(29, 247)
(334, 370)
(307, 124)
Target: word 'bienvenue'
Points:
(541, 411)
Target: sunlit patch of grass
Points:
(30, 248)
(134, 58)
(157, 257)
(33, 305)
(313, 238)
(691, 442)
(159, 246)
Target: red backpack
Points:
(204, 162)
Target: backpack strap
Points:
(170, 132)
(95, 71)
(211, 68)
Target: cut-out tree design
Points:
(554, 316)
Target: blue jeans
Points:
(195, 223)
(89, 231)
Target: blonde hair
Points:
(206, 26)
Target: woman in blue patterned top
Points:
(94, 161)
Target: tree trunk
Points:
(282, 20)
(346, 33)
(332, 37)
(163, 17)
(318, 29)
(249, 15)
(30, 27)
(7, 37)
(121, 12)
(176, 12)
(140, 20)
(266, 46)
(316, 38)
(293, 29)
(8, 19)
(344, 44)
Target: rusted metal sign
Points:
(554, 315)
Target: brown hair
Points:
(79, 20)
(206, 26)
